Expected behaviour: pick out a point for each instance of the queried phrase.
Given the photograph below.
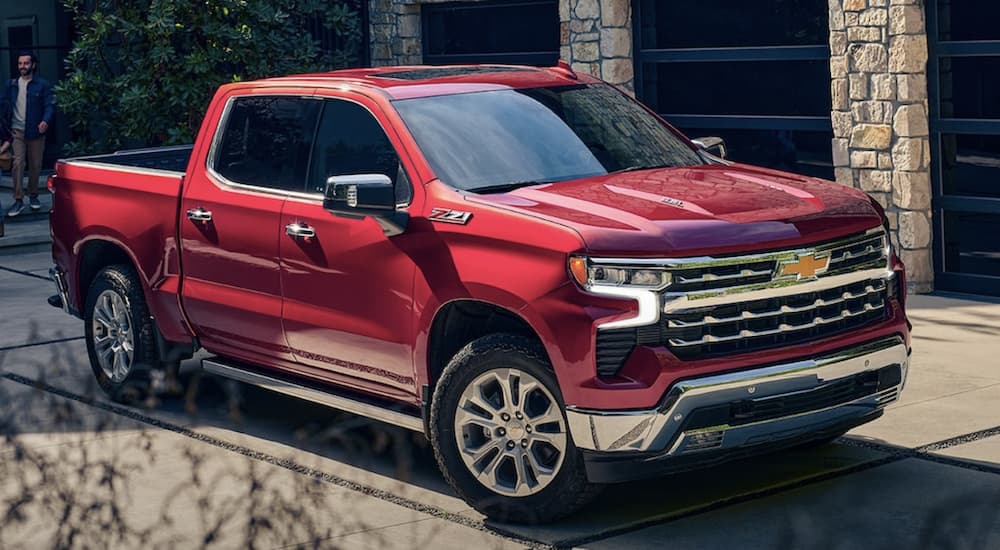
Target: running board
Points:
(316, 395)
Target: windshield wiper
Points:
(635, 168)
(505, 187)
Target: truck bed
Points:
(128, 198)
(169, 159)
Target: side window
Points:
(266, 142)
(350, 141)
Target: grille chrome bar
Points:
(748, 315)
(710, 261)
(710, 277)
(674, 303)
(782, 329)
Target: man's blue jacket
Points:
(40, 105)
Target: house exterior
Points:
(900, 98)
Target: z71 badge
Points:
(450, 216)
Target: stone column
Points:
(395, 32)
(881, 140)
(596, 38)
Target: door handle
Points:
(300, 230)
(199, 215)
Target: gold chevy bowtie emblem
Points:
(805, 266)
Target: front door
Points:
(348, 288)
(231, 232)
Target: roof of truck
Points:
(406, 82)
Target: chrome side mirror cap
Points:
(361, 195)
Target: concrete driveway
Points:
(234, 466)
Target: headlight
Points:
(638, 283)
(588, 274)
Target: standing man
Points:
(28, 110)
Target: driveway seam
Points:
(25, 273)
(45, 343)
(924, 452)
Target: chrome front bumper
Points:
(664, 430)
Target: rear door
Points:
(348, 288)
(230, 222)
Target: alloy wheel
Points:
(511, 432)
(113, 335)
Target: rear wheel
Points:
(500, 434)
(119, 334)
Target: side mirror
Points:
(363, 195)
(713, 145)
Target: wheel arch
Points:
(95, 255)
(461, 321)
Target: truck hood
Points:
(696, 210)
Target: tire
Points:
(480, 454)
(119, 333)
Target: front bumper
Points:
(742, 410)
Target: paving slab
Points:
(909, 504)
(433, 533)
(26, 317)
(956, 335)
(37, 263)
(353, 448)
(403, 467)
(29, 230)
(172, 491)
(659, 499)
(936, 420)
(27, 410)
(65, 367)
(954, 377)
(985, 451)
(63, 364)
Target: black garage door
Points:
(755, 73)
(964, 81)
(524, 32)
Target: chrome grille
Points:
(736, 304)
(722, 276)
(762, 324)
(853, 253)
(863, 251)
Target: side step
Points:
(303, 390)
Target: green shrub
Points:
(141, 72)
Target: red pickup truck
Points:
(554, 285)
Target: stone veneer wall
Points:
(395, 32)
(595, 36)
(881, 141)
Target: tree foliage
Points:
(141, 72)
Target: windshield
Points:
(499, 140)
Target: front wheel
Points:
(500, 434)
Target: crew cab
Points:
(526, 264)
